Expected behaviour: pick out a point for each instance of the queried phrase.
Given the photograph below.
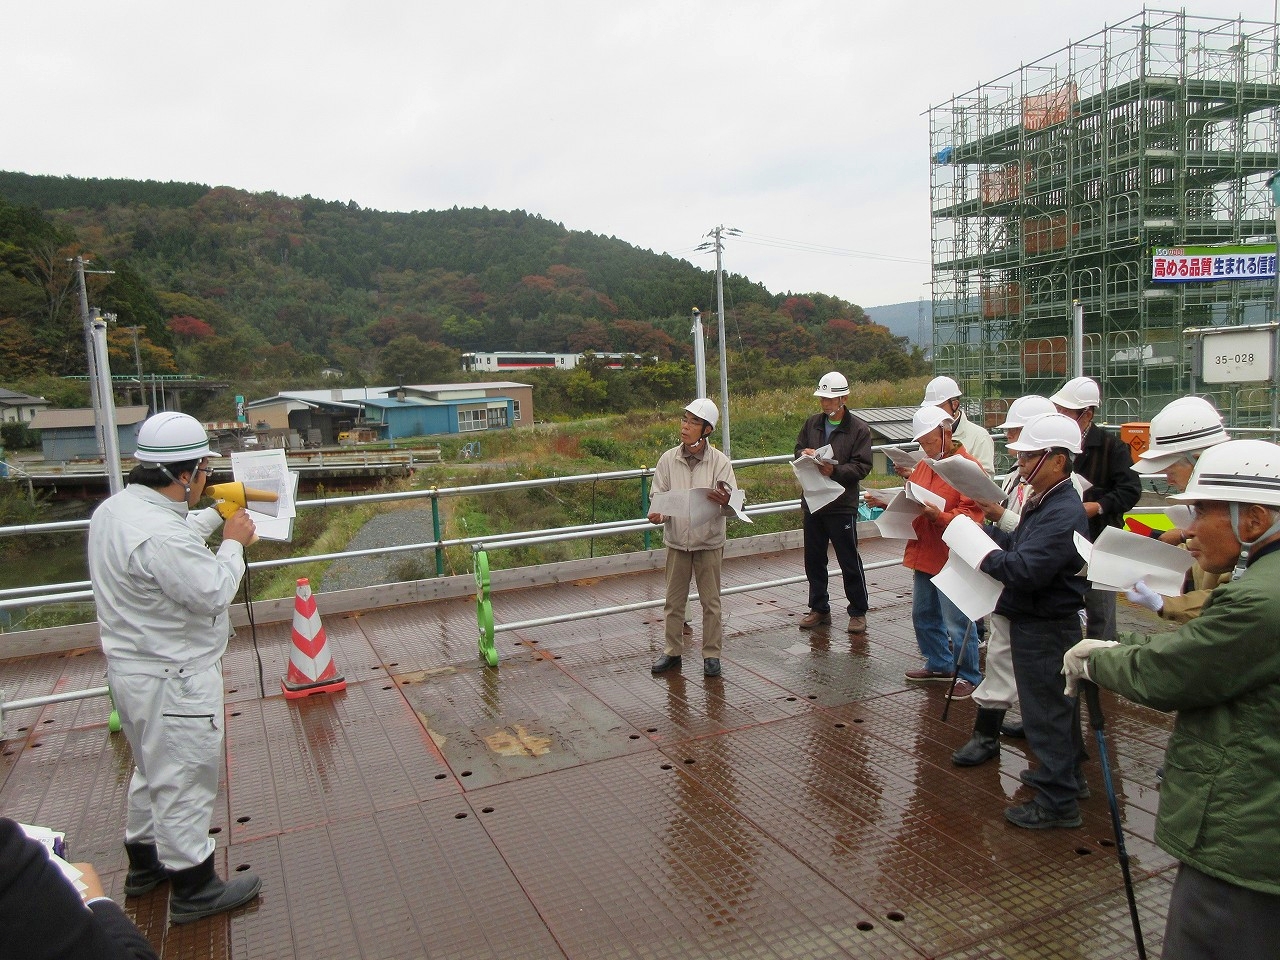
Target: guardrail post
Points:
(644, 504)
(435, 531)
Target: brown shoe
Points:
(687, 630)
(813, 619)
(963, 690)
(857, 624)
(924, 676)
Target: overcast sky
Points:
(799, 122)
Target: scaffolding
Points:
(1052, 184)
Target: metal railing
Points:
(82, 590)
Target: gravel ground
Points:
(391, 529)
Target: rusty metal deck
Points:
(570, 805)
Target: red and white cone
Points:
(311, 666)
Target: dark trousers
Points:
(840, 530)
(1050, 718)
(1210, 919)
(1100, 614)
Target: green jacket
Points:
(1221, 673)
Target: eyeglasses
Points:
(691, 421)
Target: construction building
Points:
(1057, 182)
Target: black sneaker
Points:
(1032, 816)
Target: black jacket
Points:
(1105, 462)
(1038, 563)
(42, 915)
(851, 448)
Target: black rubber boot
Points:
(197, 892)
(146, 872)
(984, 745)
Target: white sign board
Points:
(1237, 356)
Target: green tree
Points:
(407, 359)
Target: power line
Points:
(804, 246)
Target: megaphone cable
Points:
(253, 629)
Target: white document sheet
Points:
(895, 522)
(968, 478)
(968, 541)
(1118, 559)
(817, 490)
(692, 504)
(280, 527)
(925, 496)
(973, 591)
(737, 501)
(904, 458)
(265, 470)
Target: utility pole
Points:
(87, 322)
(137, 360)
(699, 354)
(99, 390)
(718, 242)
(109, 438)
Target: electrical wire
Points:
(253, 630)
(804, 246)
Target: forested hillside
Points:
(268, 290)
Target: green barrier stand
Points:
(113, 722)
(484, 610)
(484, 618)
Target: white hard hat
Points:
(927, 419)
(172, 438)
(1187, 425)
(1236, 471)
(1048, 432)
(832, 385)
(705, 410)
(939, 390)
(1025, 409)
(1078, 394)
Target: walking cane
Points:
(955, 674)
(1097, 721)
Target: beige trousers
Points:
(704, 567)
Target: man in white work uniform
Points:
(162, 599)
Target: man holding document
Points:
(831, 517)
(946, 636)
(1042, 597)
(1221, 673)
(694, 532)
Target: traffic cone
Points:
(311, 668)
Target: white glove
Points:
(1144, 596)
(1075, 663)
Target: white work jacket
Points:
(162, 595)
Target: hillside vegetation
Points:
(263, 292)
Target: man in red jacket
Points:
(941, 628)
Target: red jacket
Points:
(928, 553)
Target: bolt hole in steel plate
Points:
(896, 916)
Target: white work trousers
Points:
(997, 691)
(174, 726)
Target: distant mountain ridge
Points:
(229, 283)
(904, 320)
